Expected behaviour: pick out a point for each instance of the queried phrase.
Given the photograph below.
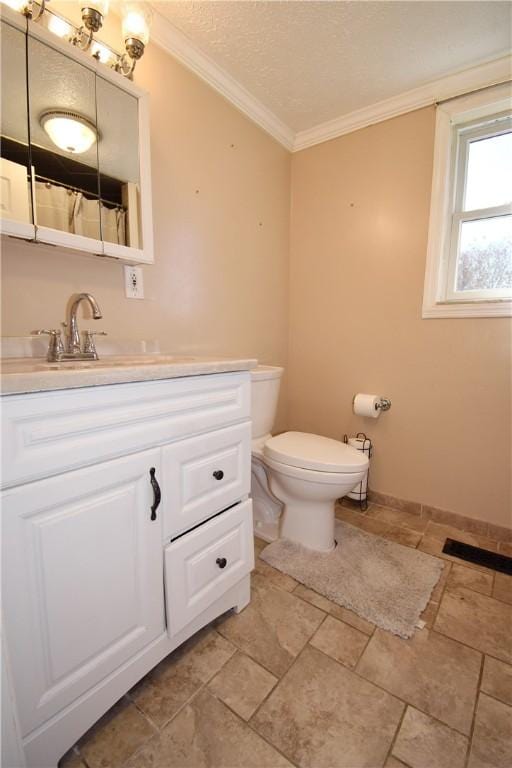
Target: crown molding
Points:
(480, 76)
(171, 39)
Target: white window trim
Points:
(460, 110)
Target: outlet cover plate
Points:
(133, 282)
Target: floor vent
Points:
(479, 556)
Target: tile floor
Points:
(295, 680)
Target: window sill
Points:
(462, 309)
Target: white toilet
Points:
(296, 477)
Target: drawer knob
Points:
(218, 474)
(221, 562)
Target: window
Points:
(469, 259)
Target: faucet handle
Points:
(55, 346)
(89, 345)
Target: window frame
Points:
(459, 121)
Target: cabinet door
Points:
(15, 198)
(119, 114)
(82, 580)
(64, 148)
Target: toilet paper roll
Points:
(366, 405)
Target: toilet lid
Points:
(300, 449)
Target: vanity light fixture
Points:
(27, 7)
(135, 25)
(93, 15)
(136, 21)
(69, 131)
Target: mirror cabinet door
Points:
(119, 170)
(64, 147)
(15, 190)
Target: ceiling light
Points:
(69, 131)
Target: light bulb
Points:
(58, 26)
(136, 22)
(16, 5)
(96, 5)
(93, 14)
(69, 131)
(101, 52)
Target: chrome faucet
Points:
(73, 346)
(73, 349)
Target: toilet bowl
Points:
(302, 473)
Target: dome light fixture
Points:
(69, 131)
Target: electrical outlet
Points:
(133, 283)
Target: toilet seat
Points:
(315, 453)
(312, 475)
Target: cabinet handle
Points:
(157, 493)
(221, 562)
(218, 474)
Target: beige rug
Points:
(386, 583)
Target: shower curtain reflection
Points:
(70, 210)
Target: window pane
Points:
(485, 254)
(489, 175)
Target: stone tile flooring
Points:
(295, 680)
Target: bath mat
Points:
(383, 582)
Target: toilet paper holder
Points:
(383, 404)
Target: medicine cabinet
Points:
(74, 160)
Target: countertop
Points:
(28, 374)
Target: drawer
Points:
(203, 475)
(47, 433)
(203, 564)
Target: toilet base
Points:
(310, 524)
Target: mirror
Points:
(15, 197)
(118, 157)
(70, 160)
(64, 142)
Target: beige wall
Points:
(221, 195)
(360, 207)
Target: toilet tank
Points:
(265, 383)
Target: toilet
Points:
(296, 476)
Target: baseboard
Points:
(470, 524)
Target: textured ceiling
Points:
(309, 62)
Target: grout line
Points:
(475, 707)
(495, 698)
(394, 695)
(397, 731)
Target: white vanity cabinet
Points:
(101, 579)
